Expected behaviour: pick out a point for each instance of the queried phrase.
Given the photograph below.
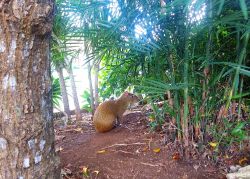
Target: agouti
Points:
(109, 111)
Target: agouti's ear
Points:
(126, 93)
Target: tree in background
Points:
(58, 54)
(27, 134)
(73, 87)
(65, 48)
(87, 51)
(96, 99)
(63, 90)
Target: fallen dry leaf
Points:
(176, 156)
(145, 149)
(151, 119)
(243, 161)
(97, 172)
(213, 144)
(59, 149)
(101, 151)
(85, 171)
(157, 150)
(78, 129)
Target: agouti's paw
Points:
(118, 125)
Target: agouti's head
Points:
(131, 98)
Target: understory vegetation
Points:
(189, 59)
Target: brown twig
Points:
(152, 165)
(126, 152)
(114, 145)
(71, 130)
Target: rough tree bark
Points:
(63, 91)
(26, 127)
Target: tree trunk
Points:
(91, 88)
(96, 85)
(74, 93)
(26, 127)
(63, 91)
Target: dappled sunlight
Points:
(197, 11)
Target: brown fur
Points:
(106, 113)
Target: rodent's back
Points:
(104, 117)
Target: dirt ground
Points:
(127, 152)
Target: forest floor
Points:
(127, 152)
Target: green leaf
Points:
(238, 128)
(237, 96)
(243, 7)
(220, 7)
(244, 72)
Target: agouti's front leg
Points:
(118, 121)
